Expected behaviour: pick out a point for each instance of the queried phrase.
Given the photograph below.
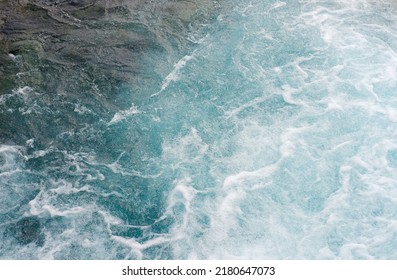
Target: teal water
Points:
(272, 135)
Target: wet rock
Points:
(6, 84)
(22, 46)
(93, 40)
(7, 71)
(90, 12)
(3, 19)
(184, 10)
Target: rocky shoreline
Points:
(93, 40)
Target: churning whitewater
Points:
(271, 134)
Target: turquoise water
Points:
(272, 135)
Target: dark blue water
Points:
(271, 134)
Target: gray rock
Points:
(102, 40)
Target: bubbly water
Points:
(273, 136)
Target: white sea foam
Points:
(185, 149)
(23, 92)
(12, 56)
(38, 207)
(137, 247)
(11, 157)
(279, 142)
(183, 193)
(277, 5)
(119, 116)
(290, 140)
(81, 109)
(175, 73)
(67, 188)
(301, 203)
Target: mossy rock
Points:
(6, 84)
(7, 71)
(19, 47)
(91, 12)
(3, 19)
